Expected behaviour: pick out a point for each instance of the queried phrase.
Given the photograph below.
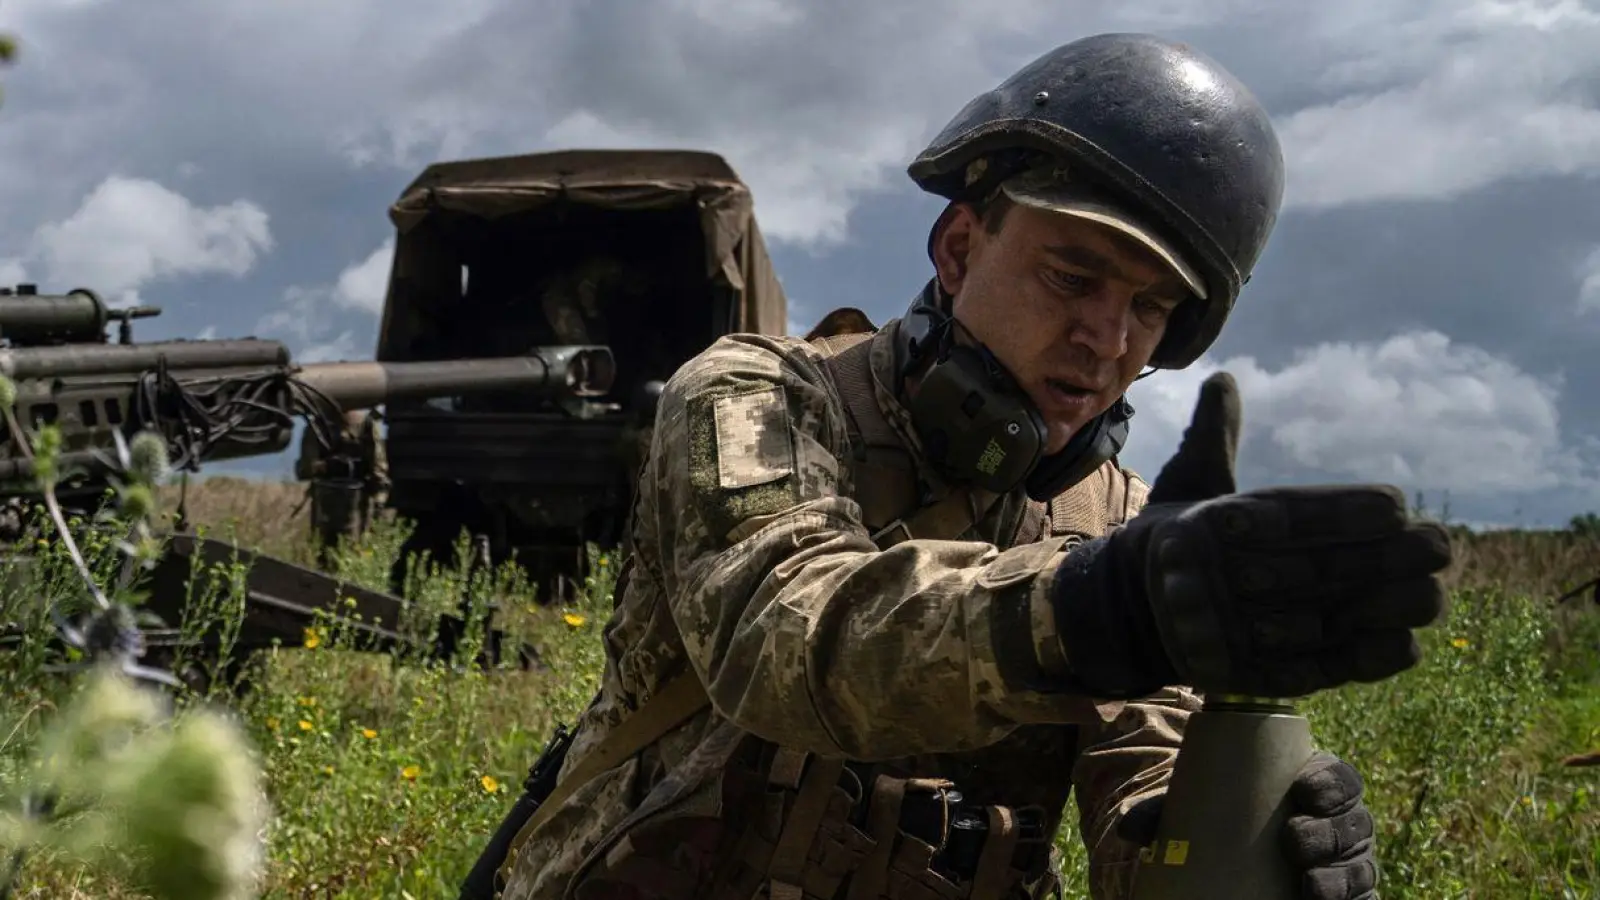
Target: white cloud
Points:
(363, 285)
(296, 318)
(308, 315)
(340, 348)
(305, 321)
(129, 231)
(1589, 282)
(811, 103)
(816, 104)
(737, 18)
(1415, 410)
(1436, 99)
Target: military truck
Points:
(652, 253)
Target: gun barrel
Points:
(576, 371)
(114, 359)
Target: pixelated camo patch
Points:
(754, 444)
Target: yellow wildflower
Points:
(411, 772)
(1459, 643)
(272, 722)
(312, 640)
(368, 733)
(307, 701)
(573, 619)
(489, 784)
(304, 725)
(327, 770)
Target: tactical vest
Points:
(801, 846)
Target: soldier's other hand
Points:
(1142, 821)
(1274, 592)
(1329, 834)
(1327, 839)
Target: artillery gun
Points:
(226, 399)
(653, 253)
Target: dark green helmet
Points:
(1163, 128)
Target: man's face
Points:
(1073, 308)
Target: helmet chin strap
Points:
(968, 398)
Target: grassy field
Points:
(386, 774)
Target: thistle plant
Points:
(172, 800)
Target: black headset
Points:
(976, 423)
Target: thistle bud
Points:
(46, 448)
(105, 715)
(136, 501)
(147, 457)
(194, 806)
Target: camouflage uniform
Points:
(348, 480)
(930, 659)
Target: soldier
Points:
(348, 479)
(893, 601)
(374, 464)
(576, 302)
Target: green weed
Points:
(386, 772)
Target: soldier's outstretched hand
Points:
(1273, 592)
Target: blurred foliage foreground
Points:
(383, 774)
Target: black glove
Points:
(1277, 592)
(1328, 837)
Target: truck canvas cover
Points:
(495, 188)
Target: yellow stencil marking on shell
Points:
(1177, 853)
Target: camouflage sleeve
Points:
(1119, 764)
(804, 632)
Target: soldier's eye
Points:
(1154, 308)
(1067, 280)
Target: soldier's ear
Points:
(950, 243)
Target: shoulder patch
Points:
(754, 443)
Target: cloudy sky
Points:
(1426, 314)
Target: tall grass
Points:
(387, 771)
